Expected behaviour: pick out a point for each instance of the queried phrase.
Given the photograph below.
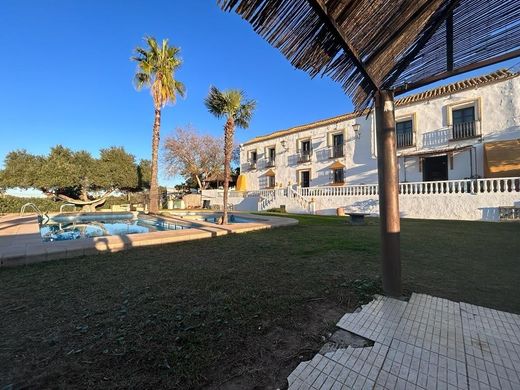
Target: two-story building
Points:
(467, 129)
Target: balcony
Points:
(270, 163)
(252, 165)
(405, 140)
(336, 151)
(304, 156)
(465, 130)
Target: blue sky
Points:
(67, 77)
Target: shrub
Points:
(13, 204)
(276, 210)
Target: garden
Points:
(239, 311)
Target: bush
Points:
(13, 204)
(276, 210)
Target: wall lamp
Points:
(357, 130)
(283, 143)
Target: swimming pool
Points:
(212, 217)
(216, 218)
(74, 226)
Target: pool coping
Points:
(21, 243)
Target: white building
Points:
(446, 133)
(458, 149)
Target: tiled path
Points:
(426, 343)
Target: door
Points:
(435, 168)
(305, 178)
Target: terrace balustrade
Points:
(465, 186)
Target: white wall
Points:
(240, 201)
(499, 116)
(471, 207)
(456, 200)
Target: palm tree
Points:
(156, 66)
(238, 111)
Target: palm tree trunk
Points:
(229, 130)
(154, 186)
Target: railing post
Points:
(388, 178)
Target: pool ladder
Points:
(42, 217)
(33, 206)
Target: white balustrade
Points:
(466, 186)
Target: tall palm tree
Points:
(238, 111)
(156, 66)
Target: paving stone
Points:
(427, 343)
(377, 321)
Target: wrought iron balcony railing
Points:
(304, 156)
(270, 162)
(465, 130)
(337, 151)
(405, 140)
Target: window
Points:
(338, 175)
(337, 145)
(271, 157)
(463, 115)
(463, 118)
(271, 182)
(464, 125)
(306, 147)
(337, 139)
(404, 130)
(252, 159)
(305, 151)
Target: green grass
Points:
(230, 312)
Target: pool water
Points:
(212, 217)
(61, 228)
(231, 219)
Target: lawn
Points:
(234, 312)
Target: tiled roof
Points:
(494, 77)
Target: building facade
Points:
(465, 130)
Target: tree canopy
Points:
(156, 66)
(232, 105)
(75, 173)
(193, 156)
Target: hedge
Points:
(13, 204)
